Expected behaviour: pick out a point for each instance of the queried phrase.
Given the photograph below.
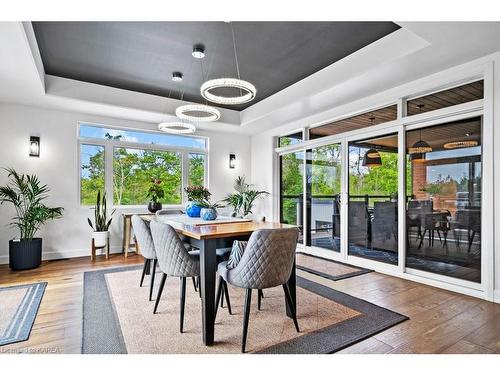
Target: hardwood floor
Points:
(440, 321)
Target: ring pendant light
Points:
(246, 89)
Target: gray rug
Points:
(18, 309)
(331, 275)
(102, 332)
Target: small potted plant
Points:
(195, 194)
(209, 210)
(26, 194)
(155, 193)
(101, 221)
(244, 198)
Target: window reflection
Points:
(373, 200)
(444, 203)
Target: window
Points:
(133, 169)
(444, 210)
(196, 169)
(446, 98)
(373, 199)
(91, 172)
(375, 117)
(290, 139)
(135, 136)
(133, 159)
(291, 196)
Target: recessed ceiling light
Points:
(177, 76)
(198, 52)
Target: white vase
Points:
(100, 238)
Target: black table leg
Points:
(293, 291)
(208, 268)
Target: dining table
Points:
(208, 237)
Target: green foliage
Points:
(243, 200)
(155, 191)
(26, 194)
(101, 221)
(196, 169)
(208, 204)
(197, 193)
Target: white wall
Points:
(57, 167)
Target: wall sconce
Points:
(35, 146)
(232, 161)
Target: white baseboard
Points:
(52, 255)
(496, 296)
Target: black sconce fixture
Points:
(232, 161)
(35, 146)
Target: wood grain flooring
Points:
(440, 321)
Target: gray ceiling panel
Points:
(141, 56)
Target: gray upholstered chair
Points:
(174, 260)
(145, 243)
(266, 263)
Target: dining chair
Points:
(168, 212)
(145, 242)
(174, 260)
(267, 262)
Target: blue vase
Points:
(208, 214)
(192, 210)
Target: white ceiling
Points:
(416, 50)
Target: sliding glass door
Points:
(372, 214)
(291, 190)
(443, 222)
(323, 187)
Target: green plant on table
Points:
(243, 200)
(155, 191)
(27, 194)
(197, 193)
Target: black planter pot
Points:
(26, 254)
(153, 207)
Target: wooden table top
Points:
(222, 230)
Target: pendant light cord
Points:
(235, 54)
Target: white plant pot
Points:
(100, 238)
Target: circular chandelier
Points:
(177, 127)
(197, 113)
(248, 91)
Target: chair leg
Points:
(198, 282)
(160, 291)
(226, 294)
(218, 295)
(153, 272)
(194, 284)
(246, 316)
(291, 307)
(259, 298)
(183, 303)
(146, 265)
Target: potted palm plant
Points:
(101, 221)
(155, 193)
(27, 194)
(244, 198)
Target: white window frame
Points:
(110, 145)
(483, 107)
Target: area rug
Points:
(327, 268)
(118, 318)
(18, 308)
